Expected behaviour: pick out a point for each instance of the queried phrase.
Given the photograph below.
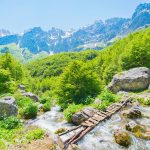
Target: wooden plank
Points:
(92, 120)
(82, 135)
(70, 130)
(98, 118)
(89, 123)
(85, 124)
(101, 112)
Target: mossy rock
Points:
(133, 127)
(122, 138)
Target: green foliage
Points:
(35, 134)
(7, 85)
(30, 111)
(47, 106)
(10, 123)
(107, 99)
(76, 84)
(72, 109)
(3, 145)
(22, 101)
(108, 96)
(147, 102)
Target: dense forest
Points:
(72, 80)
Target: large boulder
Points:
(8, 107)
(122, 138)
(132, 80)
(32, 96)
(83, 115)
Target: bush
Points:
(3, 145)
(22, 101)
(30, 111)
(43, 100)
(72, 109)
(47, 106)
(35, 134)
(10, 122)
(108, 96)
(147, 102)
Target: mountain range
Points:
(94, 36)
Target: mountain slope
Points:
(95, 36)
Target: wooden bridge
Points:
(73, 135)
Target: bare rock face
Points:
(83, 115)
(132, 80)
(8, 107)
(122, 138)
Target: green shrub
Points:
(141, 100)
(147, 102)
(10, 122)
(35, 134)
(108, 96)
(29, 112)
(3, 145)
(72, 109)
(47, 106)
(43, 100)
(22, 101)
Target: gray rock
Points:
(79, 117)
(32, 96)
(83, 115)
(8, 107)
(21, 87)
(97, 101)
(132, 80)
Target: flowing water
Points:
(101, 137)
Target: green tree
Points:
(77, 83)
(6, 83)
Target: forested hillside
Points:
(71, 80)
(132, 51)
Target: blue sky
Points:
(20, 15)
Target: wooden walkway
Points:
(73, 135)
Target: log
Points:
(82, 135)
(70, 130)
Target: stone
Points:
(21, 87)
(8, 107)
(132, 80)
(134, 113)
(32, 96)
(132, 127)
(97, 101)
(122, 138)
(78, 118)
(83, 115)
